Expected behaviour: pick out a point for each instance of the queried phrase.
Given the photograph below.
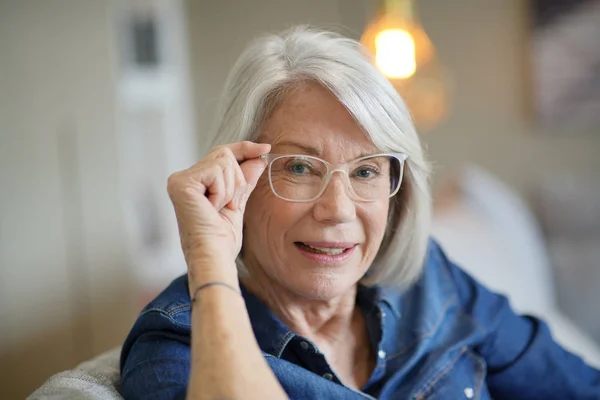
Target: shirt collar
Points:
(273, 335)
(373, 295)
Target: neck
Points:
(316, 319)
(335, 325)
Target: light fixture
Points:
(403, 52)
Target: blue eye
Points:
(365, 173)
(298, 168)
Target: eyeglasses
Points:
(302, 178)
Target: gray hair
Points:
(274, 64)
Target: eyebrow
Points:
(314, 151)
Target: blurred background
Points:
(100, 101)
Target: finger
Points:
(235, 183)
(213, 180)
(252, 170)
(248, 150)
(240, 188)
(230, 184)
(184, 187)
(227, 189)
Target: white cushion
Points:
(489, 231)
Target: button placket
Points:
(321, 365)
(381, 354)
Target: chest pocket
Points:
(460, 377)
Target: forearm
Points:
(226, 361)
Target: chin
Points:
(320, 286)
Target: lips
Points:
(322, 250)
(326, 252)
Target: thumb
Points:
(252, 170)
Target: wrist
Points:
(194, 293)
(205, 270)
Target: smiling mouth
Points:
(331, 251)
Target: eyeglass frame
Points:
(331, 169)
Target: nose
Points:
(335, 206)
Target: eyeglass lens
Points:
(303, 177)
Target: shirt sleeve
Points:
(155, 362)
(523, 360)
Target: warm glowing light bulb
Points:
(395, 53)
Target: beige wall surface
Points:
(64, 287)
(219, 30)
(485, 46)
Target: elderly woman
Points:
(311, 274)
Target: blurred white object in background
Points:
(156, 134)
(487, 229)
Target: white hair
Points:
(274, 64)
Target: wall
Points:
(64, 270)
(484, 44)
(219, 30)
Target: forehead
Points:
(311, 117)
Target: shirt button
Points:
(469, 393)
(381, 354)
(304, 345)
(328, 376)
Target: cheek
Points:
(262, 191)
(375, 217)
(267, 218)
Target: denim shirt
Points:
(446, 337)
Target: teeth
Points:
(327, 250)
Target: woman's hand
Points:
(209, 200)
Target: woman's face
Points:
(277, 232)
